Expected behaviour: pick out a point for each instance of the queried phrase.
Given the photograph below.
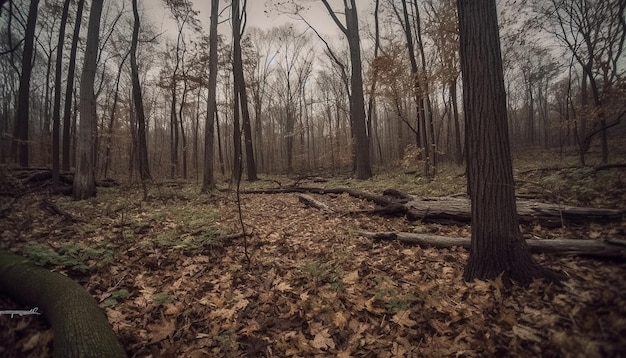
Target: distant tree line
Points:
(284, 100)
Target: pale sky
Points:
(261, 13)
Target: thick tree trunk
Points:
(80, 326)
(498, 247)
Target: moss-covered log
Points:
(80, 326)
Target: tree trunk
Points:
(183, 136)
(142, 148)
(80, 326)
(84, 180)
(109, 137)
(497, 247)
(458, 153)
(241, 94)
(208, 181)
(22, 117)
(69, 89)
(56, 112)
(363, 165)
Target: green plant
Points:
(71, 256)
(115, 297)
(163, 298)
(324, 272)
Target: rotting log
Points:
(549, 215)
(450, 209)
(80, 326)
(608, 249)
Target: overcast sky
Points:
(261, 13)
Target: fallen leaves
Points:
(315, 288)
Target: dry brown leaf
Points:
(283, 287)
(323, 340)
(402, 318)
(340, 320)
(526, 333)
(162, 330)
(351, 277)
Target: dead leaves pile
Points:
(314, 288)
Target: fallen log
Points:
(450, 210)
(377, 199)
(80, 326)
(586, 247)
(309, 201)
(444, 209)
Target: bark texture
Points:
(208, 181)
(497, 244)
(80, 326)
(84, 179)
(22, 116)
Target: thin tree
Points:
(497, 246)
(84, 179)
(594, 32)
(422, 137)
(22, 118)
(69, 89)
(144, 166)
(241, 97)
(56, 112)
(208, 181)
(363, 167)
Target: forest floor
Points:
(173, 285)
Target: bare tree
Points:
(56, 113)
(241, 98)
(84, 179)
(497, 246)
(363, 163)
(208, 181)
(144, 167)
(69, 89)
(22, 118)
(594, 32)
(294, 65)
